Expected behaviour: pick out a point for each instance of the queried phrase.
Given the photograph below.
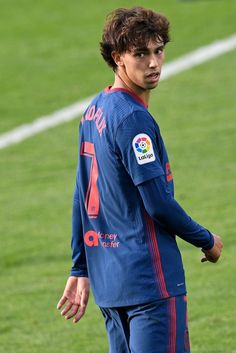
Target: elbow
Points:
(155, 212)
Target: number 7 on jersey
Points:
(92, 195)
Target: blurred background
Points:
(50, 59)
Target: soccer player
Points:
(125, 216)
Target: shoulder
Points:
(121, 105)
(138, 119)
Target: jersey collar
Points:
(135, 96)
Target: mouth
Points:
(154, 76)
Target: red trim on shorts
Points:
(156, 259)
(135, 96)
(186, 333)
(172, 325)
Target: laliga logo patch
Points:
(142, 145)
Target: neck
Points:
(122, 82)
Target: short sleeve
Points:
(136, 143)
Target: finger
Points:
(61, 302)
(80, 314)
(84, 302)
(73, 311)
(84, 298)
(215, 259)
(212, 259)
(204, 259)
(67, 308)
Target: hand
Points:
(75, 296)
(214, 253)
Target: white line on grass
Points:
(199, 56)
(185, 62)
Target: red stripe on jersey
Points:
(156, 259)
(172, 325)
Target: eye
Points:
(140, 55)
(159, 51)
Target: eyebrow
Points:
(145, 49)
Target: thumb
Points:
(204, 259)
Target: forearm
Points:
(79, 268)
(161, 205)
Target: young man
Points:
(125, 217)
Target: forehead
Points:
(150, 45)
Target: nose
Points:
(153, 62)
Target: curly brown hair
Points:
(129, 28)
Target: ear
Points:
(117, 58)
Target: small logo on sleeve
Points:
(143, 149)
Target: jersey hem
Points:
(137, 301)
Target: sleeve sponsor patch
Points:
(143, 149)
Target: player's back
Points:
(100, 158)
(121, 147)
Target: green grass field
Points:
(49, 59)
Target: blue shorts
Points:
(157, 327)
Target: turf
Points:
(50, 52)
(50, 58)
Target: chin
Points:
(147, 86)
(152, 86)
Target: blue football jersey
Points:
(131, 258)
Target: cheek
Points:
(162, 58)
(135, 68)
